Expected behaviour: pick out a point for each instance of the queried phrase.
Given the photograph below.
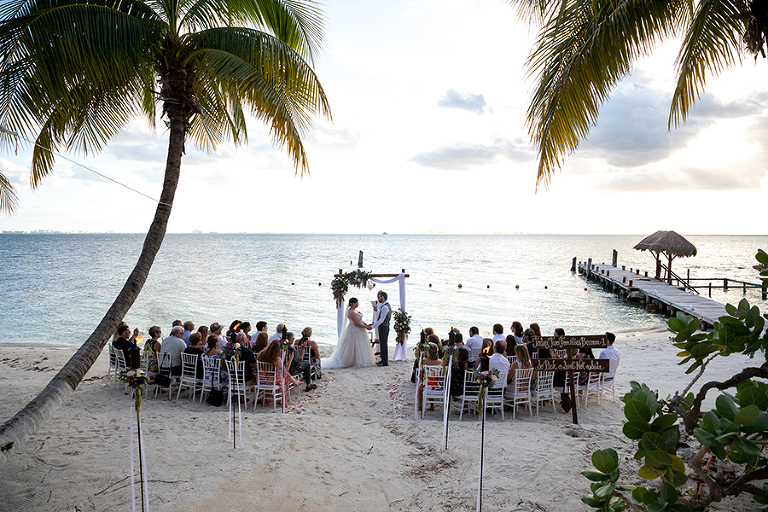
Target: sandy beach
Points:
(352, 444)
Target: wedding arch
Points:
(360, 278)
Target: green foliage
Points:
(735, 431)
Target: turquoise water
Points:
(55, 288)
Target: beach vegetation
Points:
(584, 48)
(74, 73)
(693, 457)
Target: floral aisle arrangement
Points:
(340, 284)
(402, 324)
(137, 380)
(486, 380)
(230, 351)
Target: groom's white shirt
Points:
(383, 311)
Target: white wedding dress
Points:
(353, 349)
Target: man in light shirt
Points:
(499, 361)
(475, 341)
(498, 333)
(174, 345)
(278, 333)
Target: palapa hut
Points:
(671, 245)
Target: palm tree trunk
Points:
(26, 422)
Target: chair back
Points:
(236, 373)
(544, 381)
(188, 365)
(119, 360)
(164, 363)
(523, 380)
(497, 390)
(474, 353)
(614, 365)
(211, 370)
(512, 359)
(112, 360)
(266, 374)
(471, 386)
(434, 379)
(561, 353)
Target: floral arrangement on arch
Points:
(340, 284)
(402, 324)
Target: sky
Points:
(428, 135)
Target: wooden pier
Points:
(665, 297)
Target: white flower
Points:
(237, 346)
(130, 373)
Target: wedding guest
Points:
(461, 363)
(233, 328)
(152, 348)
(116, 335)
(474, 341)
(458, 340)
(278, 333)
(498, 360)
(523, 362)
(246, 328)
(175, 323)
(247, 356)
(216, 329)
(511, 344)
(517, 331)
(125, 342)
(261, 326)
(260, 342)
(194, 344)
(213, 345)
(174, 345)
(432, 358)
(536, 329)
(305, 343)
(297, 365)
(189, 326)
(273, 355)
(203, 330)
(559, 380)
(528, 341)
(498, 332)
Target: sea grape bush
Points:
(691, 458)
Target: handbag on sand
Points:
(215, 397)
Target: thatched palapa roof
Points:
(667, 242)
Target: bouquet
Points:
(486, 380)
(137, 380)
(230, 350)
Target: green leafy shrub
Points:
(734, 432)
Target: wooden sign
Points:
(571, 365)
(560, 342)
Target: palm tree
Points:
(74, 72)
(584, 47)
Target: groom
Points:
(382, 322)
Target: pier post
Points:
(573, 264)
(745, 288)
(589, 268)
(725, 284)
(710, 289)
(764, 292)
(615, 257)
(623, 267)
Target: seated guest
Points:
(194, 348)
(273, 355)
(213, 345)
(305, 343)
(125, 342)
(246, 328)
(203, 330)
(584, 353)
(233, 327)
(297, 365)
(474, 341)
(458, 340)
(174, 345)
(545, 353)
(461, 363)
(432, 358)
(528, 340)
(217, 329)
(152, 348)
(536, 329)
(278, 333)
(498, 360)
(189, 326)
(523, 362)
(261, 326)
(511, 343)
(194, 344)
(246, 355)
(260, 342)
(517, 331)
(498, 332)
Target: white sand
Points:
(350, 445)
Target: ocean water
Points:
(56, 288)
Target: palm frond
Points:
(580, 54)
(711, 44)
(9, 201)
(254, 70)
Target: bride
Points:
(354, 347)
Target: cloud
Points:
(690, 178)
(471, 102)
(466, 157)
(632, 129)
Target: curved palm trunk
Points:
(26, 422)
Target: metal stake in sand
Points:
(486, 380)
